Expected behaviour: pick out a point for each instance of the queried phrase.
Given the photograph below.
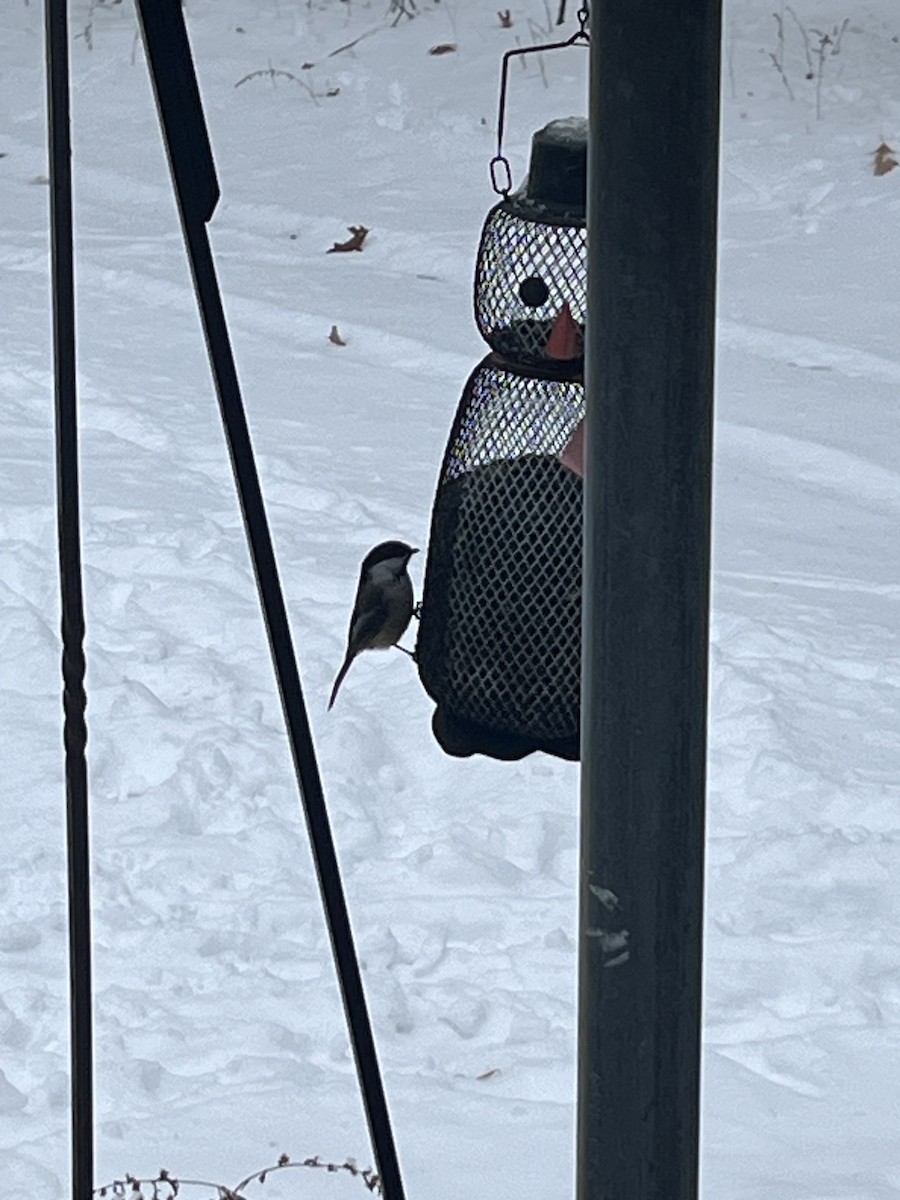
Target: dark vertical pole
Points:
(68, 529)
(654, 104)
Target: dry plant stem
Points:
(355, 42)
(88, 31)
(777, 56)
(163, 1187)
(807, 49)
(820, 51)
(350, 45)
(271, 72)
(166, 1186)
(369, 1178)
(837, 35)
(403, 8)
(818, 47)
(274, 73)
(541, 33)
(828, 46)
(538, 35)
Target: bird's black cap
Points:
(385, 551)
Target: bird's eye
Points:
(533, 291)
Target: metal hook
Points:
(581, 37)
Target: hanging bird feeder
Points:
(499, 646)
(531, 272)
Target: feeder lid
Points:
(557, 175)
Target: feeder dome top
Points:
(557, 176)
(567, 129)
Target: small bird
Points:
(384, 604)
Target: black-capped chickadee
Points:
(384, 604)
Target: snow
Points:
(220, 1036)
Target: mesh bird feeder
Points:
(499, 646)
(531, 272)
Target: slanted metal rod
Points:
(197, 193)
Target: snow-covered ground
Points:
(220, 1036)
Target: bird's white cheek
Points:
(386, 572)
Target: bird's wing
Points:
(368, 618)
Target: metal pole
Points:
(294, 708)
(652, 197)
(197, 192)
(68, 532)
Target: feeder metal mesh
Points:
(515, 251)
(500, 637)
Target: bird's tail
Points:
(345, 667)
